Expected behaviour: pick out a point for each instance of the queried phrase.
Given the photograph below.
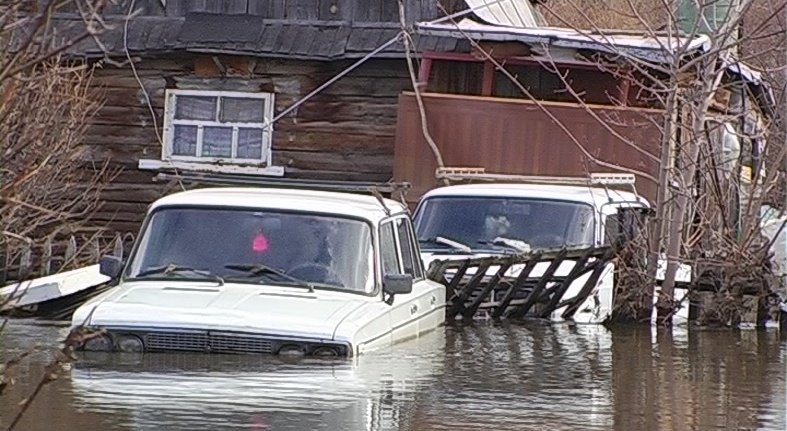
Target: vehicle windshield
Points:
(504, 223)
(256, 246)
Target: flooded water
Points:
(503, 377)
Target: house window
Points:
(218, 126)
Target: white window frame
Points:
(266, 127)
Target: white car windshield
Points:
(256, 246)
(491, 223)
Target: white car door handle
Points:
(413, 309)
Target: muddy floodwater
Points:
(505, 377)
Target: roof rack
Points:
(214, 179)
(469, 174)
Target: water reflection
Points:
(368, 392)
(702, 379)
(502, 377)
(532, 377)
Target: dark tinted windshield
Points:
(330, 250)
(476, 221)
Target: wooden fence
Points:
(25, 259)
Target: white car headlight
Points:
(292, 350)
(100, 343)
(130, 344)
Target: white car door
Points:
(420, 310)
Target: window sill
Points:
(157, 165)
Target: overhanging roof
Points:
(647, 48)
(658, 49)
(246, 35)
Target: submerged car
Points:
(468, 221)
(266, 270)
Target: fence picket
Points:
(71, 250)
(25, 261)
(46, 257)
(117, 249)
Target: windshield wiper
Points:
(514, 244)
(456, 245)
(172, 268)
(257, 269)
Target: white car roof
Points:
(595, 196)
(345, 204)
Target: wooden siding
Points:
(344, 133)
(515, 136)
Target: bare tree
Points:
(706, 215)
(719, 151)
(47, 189)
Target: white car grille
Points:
(188, 341)
(206, 342)
(239, 344)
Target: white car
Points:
(265, 270)
(477, 220)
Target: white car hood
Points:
(231, 307)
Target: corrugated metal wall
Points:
(515, 136)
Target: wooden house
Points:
(208, 78)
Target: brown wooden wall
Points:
(344, 133)
(515, 136)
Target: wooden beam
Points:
(489, 79)
(423, 73)
(501, 49)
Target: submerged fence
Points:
(511, 287)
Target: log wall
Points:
(344, 133)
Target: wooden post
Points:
(96, 249)
(749, 310)
(488, 82)
(25, 262)
(5, 261)
(46, 257)
(71, 251)
(117, 249)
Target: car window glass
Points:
(409, 257)
(390, 258)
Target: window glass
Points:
(253, 246)
(242, 110)
(217, 141)
(229, 126)
(487, 223)
(249, 143)
(184, 140)
(390, 258)
(195, 108)
(409, 262)
(612, 228)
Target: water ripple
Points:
(504, 377)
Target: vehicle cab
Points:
(497, 218)
(505, 218)
(266, 270)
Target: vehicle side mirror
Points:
(110, 266)
(395, 284)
